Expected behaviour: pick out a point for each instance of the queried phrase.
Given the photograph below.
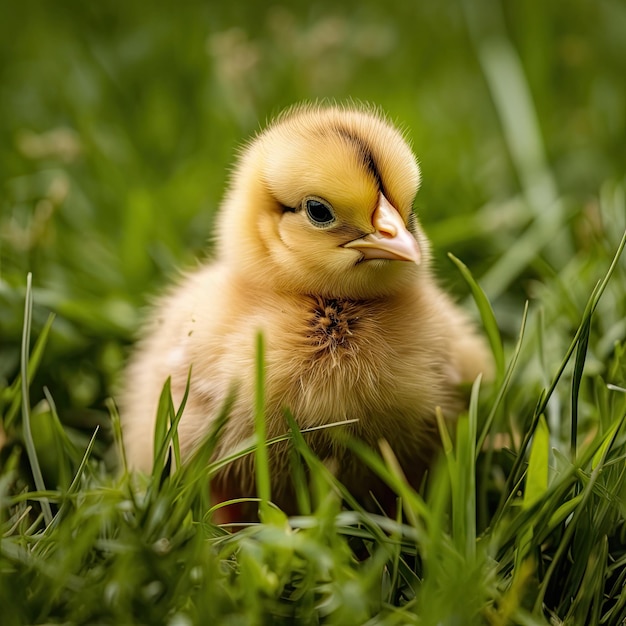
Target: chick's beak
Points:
(390, 240)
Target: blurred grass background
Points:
(118, 124)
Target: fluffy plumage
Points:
(317, 247)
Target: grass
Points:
(117, 127)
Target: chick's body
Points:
(318, 248)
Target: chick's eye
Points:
(319, 212)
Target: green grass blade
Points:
(541, 406)
(592, 303)
(166, 430)
(76, 482)
(468, 460)
(262, 457)
(535, 487)
(321, 473)
(387, 468)
(460, 493)
(26, 425)
(505, 382)
(564, 511)
(301, 488)
(116, 426)
(538, 465)
(486, 314)
(68, 445)
(82, 468)
(579, 366)
(161, 424)
(570, 529)
(13, 393)
(173, 423)
(607, 442)
(446, 440)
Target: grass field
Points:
(119, 122)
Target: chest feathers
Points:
(342, 359)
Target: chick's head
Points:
(321, 203)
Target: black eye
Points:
(319, 212)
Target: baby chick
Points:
(319, 249)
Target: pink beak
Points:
(390, 240)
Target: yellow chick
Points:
(318, 248)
